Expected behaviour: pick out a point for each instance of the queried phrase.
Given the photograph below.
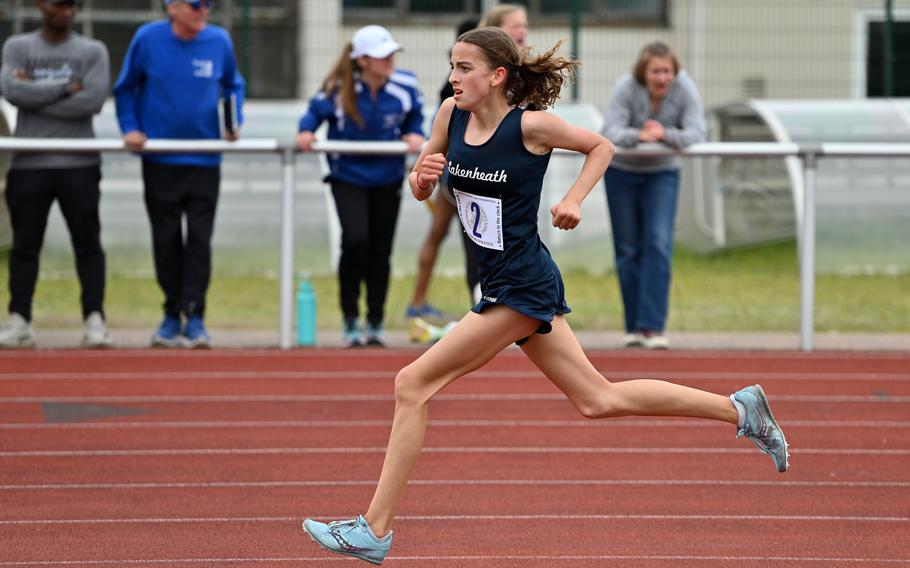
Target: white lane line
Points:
(498, 397)
(388, 375)
(440, 450)
(414, 352)
(463, 482)
(456, 518)
(633, 559)
(110, 424)
(258, 353)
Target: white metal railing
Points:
(809, 154)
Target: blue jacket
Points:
(397, 110)
(171, 88)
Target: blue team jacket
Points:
(397, 110)
(171, 88)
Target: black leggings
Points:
(368, 216)
(29, 196)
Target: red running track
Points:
(137, 458)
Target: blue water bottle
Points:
(306, 313)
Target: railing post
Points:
(286, 277)
(807, 256)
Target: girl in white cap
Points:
(365, 98)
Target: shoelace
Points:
(343, 526)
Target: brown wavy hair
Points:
(534, 81)
(340, 81)
(655, 49)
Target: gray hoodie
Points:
(680, 113)
(46, 110)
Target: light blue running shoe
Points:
(352, 538)
(761, 427)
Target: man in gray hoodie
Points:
(58, 80)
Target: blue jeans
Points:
(643, 213)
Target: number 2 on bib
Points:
(475, 209)
(481, 217)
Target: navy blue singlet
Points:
(497, 189)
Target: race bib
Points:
(481, 217)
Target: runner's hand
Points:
(566, 215)
(429, 173)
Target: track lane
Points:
(744, 463)
(615, 524)
(420, 537)
(556, 496)
(572, 432)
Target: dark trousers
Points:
(368, 216)
(29, 196)
(183, 264)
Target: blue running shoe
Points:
(197, 337)
(352, 538)
(761, 427)
(168, 333)
(426, 311)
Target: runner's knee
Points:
(410, 388)
(599, 405)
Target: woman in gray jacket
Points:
(658, 103)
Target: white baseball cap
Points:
(373, 41)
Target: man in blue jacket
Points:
(173, 76)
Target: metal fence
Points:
(808, 154)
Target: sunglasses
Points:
(199, 4)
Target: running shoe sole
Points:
(767, 407)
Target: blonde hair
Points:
(340, 81)
(534, 81)
(498, 14)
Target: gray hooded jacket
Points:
(680, 113)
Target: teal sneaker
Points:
(352, 335)
(761, 427)
(352, 538)
(374, 335)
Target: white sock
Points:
(739, 409)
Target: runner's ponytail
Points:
(533, 81)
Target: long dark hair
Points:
(534, 81)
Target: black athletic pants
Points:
(183, 264)
(29, 196)
(368, 216)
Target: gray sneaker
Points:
(16, 332)
(761, 427)
(96, 335)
